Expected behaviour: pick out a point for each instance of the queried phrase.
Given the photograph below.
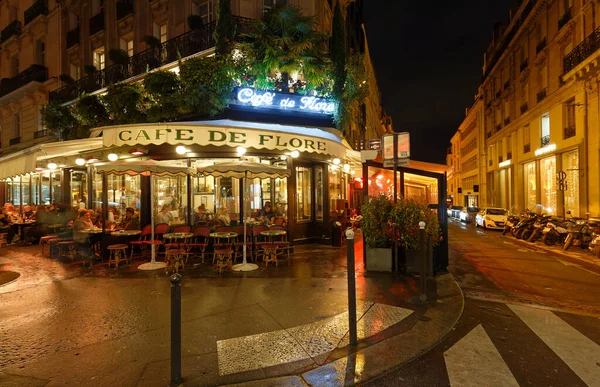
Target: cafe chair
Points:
(67, 249)
(174, 256)
(117, 253)
(159, 230)
(282, 241)
(227, 243)
(199, 242)
(258, 241)
(223, 258)
(216, 223)
(45, 240)
(144, 236)
(239, 243)
(185, 229)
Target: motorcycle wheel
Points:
(597, 252)
(549, 240)
(513, 232)
(531, 238)
(568, 242)
(519, 234)
(504, 231)
(526, 235)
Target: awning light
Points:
(295, 154)
(52, 165)
(181, 150)
(138, 151)
(546, 149)
(241, 150)
(113, 157)
(80, 161)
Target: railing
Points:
(541, 95)
(587, 47)
(10, 30)
(40, 7)
(488, 135)
(14, 141)
(569, 132)
(73, 37)
(35, 72)
(564, 19)
(524, 108)
(506, 85)
(506, 121)
(509, 155)
(524, 65)
(41, 133)
(183, 45)
(545, 141)
(498, 94)
(97, 23)
(500, 159)
(526, 148)
(540, 46)
(124, 8)
(498, 127)
(488, 104)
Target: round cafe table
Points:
(270, 249)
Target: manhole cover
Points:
(8, 276)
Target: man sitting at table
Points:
(83, 222)
(130, 220)
(266, 214)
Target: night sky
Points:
(428, 58)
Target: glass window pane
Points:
(280, 205)
(203, 195)
(548, 183)
(45, 188)
(79, 189)
(381, 182)
(16, 191)
(57, 196)
(319, 192)
(530, 186)
(421, 188)
(35, 189)
(25, 183)
(570, 165)
(304, 194)
(170, 191)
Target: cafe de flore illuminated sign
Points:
(273, 101)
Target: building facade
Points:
(540, 104)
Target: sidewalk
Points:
(277, 326)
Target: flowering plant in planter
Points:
(376, 224)
(405, 217)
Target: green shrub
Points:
(66, 78)
(207, 84)
(376, 224)
(125, 103)
(59, 120)
(164, 91)
(89, 69)
(91, 112)
(118, 56)
(406, 215)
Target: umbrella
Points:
(243, 169)
(145, 168)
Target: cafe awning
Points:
(26, 160)
(227, 133)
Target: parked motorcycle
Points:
(538, 226)
(581, 234)
(524, 229)
(595, 244)
(511, 221)
(556, 231)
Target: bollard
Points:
(429, 255)
(351, 287)
(176, 328)
(423, 265)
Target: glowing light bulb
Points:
(241, 150)
(80, 161)
(181, 150)
(113, 157)
(295, 154)
(52, 165)
(336, 161)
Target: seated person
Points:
(28, 212)
(202, 215)
(223, 216)
(5, 222)
(83, 222)
(267, 214)
(164, 216)
(130, 221)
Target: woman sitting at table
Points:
(164, 216)
(202, 215)
(223, 216)
(266, 214)
(130, 221)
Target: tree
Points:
(225, 29)
(338, 51)
(286, 41)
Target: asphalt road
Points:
(531, 318)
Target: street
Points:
(530, 318)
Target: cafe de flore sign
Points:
(221, 133)
(274, 101)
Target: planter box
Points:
(379, 259)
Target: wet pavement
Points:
(69, 325)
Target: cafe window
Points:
(304, 194)
(45, 177)
(227, 197)
(170, 190)
(123, 191)
(570, 165)
(319, 192)
(204, 193)
(57, 196)
(530, 186)
(25, 184)
(36, 197)
(421, 188)
(9, 191)
(79, 193)
(548, 185)
(16, 190)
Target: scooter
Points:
(511, 221)
(525, 227)
(538, 226)
(594, 246)
(556, 232)
(581, 234)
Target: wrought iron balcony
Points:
(498, 93)
(541, 95)
(524, 108)
(498, 127)
(35, 73)
(10, 30)
(40, 7)
(526, 148)
(545, 141)
(488, 135)
(569, 132)
(509, 155)
(97, 23)
(506, 85)
(488, 104)
(506, 121)
(183, 45)
(41, 133)
(124, 8)
(14, 141)
(540, 46)
(523, 65)
(73, 37)
(564, 19)
(587, 47)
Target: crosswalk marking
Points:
(475, 361)
(581, 354)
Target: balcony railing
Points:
(545, 141)
(541, 95)
(569, 132)
(488, 104)
(526, 148)
(506, 121)
(506, 85)
(523, 65)
(498, 94)
(587, 47)
(14, 141)
(10, 30)
(509, 155)
(524, 108)
(564, 19)
(498, 127)
(35, 72)
(488, 135)
(183, 45)
(124, 8)
(41, 133)
(40, 7)
(73, 37)
(540, 46)
(97, 23)
(500, 159)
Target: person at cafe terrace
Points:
(266, 214)
(130, 221)
(165, 215)
(5, 225)
(83, 222)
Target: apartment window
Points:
(16, 125)
(204, 10)
(74, 71)
(160, 31)
(526, 135)
(99, 58)
(270, 4)
(543, 78)
(97, 6)
(541, 29)
(14, 65)
(569, 111)
(40, 121)
(127, 46)
(566, 5)
(40, 52)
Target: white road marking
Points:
(577, 266)
(474, 361)
(581, 354)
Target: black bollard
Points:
(351, 287)
(423, 265)
(176, 328)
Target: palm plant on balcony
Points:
(225, 29)
(355, 91)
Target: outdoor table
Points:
(178, 253)
(270, 249)
(178, 237)
(54, 226)
(271, 233)
(223, 235)
(175, 223)
(20, 225)
(126, 233)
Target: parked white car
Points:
(489, 217)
